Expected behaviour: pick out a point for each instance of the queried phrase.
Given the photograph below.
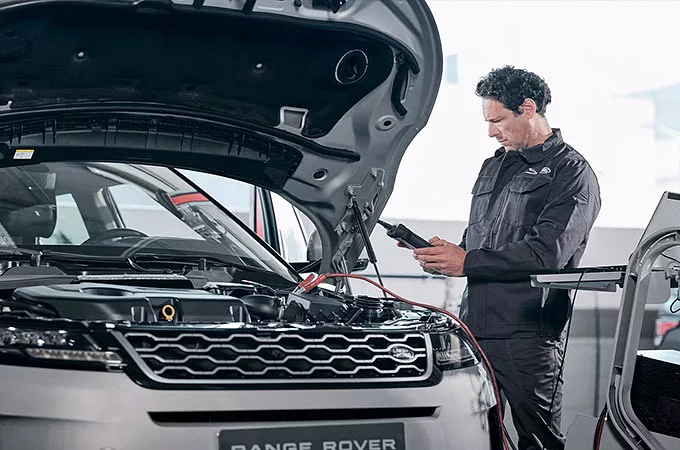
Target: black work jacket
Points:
(539, 223)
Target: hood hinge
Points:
(365, 195)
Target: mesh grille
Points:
(293, 355)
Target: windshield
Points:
(124, 209)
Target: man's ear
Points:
(528, 108)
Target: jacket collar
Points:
(538, 152)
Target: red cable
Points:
(309, 285)
(600, 429)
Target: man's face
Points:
(510, 130)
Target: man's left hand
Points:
(443, 257)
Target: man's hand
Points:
(444, 257)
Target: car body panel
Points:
(241, 106)
(230, 335)
(99, 410)
(117, 338)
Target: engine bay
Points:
(215, 302)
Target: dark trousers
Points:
(526, 372)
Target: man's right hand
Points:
(425, 269)
(443, 257)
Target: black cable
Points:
(671, 258)
(566, 344)
(375, 266)
(677, 297)
(507, 436)
(598, 354)
(367, 241)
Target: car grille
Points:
(296, 356)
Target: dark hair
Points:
(512, 86)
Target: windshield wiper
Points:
(145, 262)
(200, 264)
(38, 258)
(34, 256)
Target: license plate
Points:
(384, 436)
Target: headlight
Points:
(453, 350)
(33, 346)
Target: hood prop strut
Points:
(367, 241)
(248, 6)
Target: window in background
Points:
(141, 212)
(294, 230)
(237, 196)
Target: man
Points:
(533, 205)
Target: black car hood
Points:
(316, 100)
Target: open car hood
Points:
(314, 99)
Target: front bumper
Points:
(80, 410)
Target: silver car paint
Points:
(80, 410)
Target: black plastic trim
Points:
(16, 118)
(399, 79)
(293, 415)
(269, 216)
(21, 359)
(248, 6)
(135, 155)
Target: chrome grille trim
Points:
(274, 361)
(146, 358)
(271, 369)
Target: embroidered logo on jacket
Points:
(543, 171)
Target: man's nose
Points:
(493, 130)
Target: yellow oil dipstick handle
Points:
(168, 312)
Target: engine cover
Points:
(93, 301)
